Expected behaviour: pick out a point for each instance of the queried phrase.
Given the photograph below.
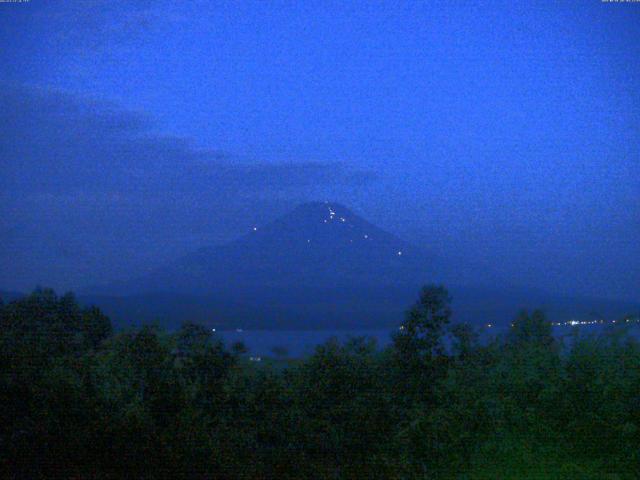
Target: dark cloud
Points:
(84, 182)
(56, 143)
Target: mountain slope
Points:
(315, 245)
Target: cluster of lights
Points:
(255, 359)
(332, 215)
(574, 323)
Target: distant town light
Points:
(591, 322)
(255, 229)
(399, 252)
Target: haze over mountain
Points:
(318, 266)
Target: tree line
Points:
(79, 400)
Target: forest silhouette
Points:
(80, 400)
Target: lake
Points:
(300, 343)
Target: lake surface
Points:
(303, 342)
(297, 342)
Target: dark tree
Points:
(420, 336)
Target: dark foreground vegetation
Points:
(80, 401)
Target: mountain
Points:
(319, 266)
(316, 245)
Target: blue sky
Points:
(502, 133)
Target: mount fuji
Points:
(319, 266)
